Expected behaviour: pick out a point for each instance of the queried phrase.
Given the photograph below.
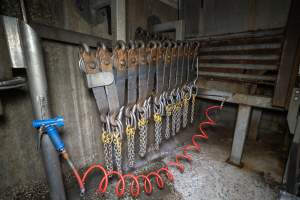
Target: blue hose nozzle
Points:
(49, 126)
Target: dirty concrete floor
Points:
(210, 177)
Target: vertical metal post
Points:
(240, 134)
(39, 97)
(119, 19)
(5, 64)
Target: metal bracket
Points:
(99, 79)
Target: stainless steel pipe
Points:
(39, 97)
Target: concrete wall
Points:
(21, 171)
(138, 12)
(211, 17)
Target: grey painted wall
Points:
(211, 17)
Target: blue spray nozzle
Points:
(50, 129)
(57, 121)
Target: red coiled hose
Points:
(135, 188)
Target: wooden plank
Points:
(288, 66)
(238, 66)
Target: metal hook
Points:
(152, 44)
(120, 44)
(131, 44)
(101, 45)
(140, 44)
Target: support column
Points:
(254, 124)
(119, 19)
(240, 134)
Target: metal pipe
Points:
(39, 97)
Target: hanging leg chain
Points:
(168, 116)
(178, 112)
(118, 149)
(130, 133)
(174, 114)
(157, 129)
(157, 116)
(185, 111)
(193, 107)
(107, 144)
(143, 130)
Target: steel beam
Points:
(240, 134)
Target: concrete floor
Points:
(210, 177)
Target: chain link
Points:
(178, 115)
(157, 130)
(168, 115)
(173, 132)
(130, 133)
(143, 130)
(185, 111)
(193, 107)
(107, 144)
(118, 149)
